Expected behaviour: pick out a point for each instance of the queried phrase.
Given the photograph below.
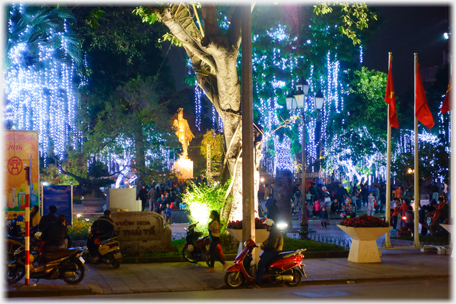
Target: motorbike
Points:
(196, 248)
(108, 250)
(67, 265)
(14, 242)
(286, 268)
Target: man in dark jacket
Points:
(48, 218)
(340, 195)
(273, 211)
(142, 195)
(271, 248)
(55, 235)
(102, 229)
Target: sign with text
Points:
(61, 197)
(18, 146)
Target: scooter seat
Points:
(59, 254)
(16, 238)
(282, 255)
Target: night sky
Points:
(406, 30)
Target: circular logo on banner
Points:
(14, 165)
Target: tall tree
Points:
(213, 52)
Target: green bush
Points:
(201, 200)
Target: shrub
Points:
(364, 221)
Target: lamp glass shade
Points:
(319, 103)
(299, 96)
(293, 104)
(289, 101)
(306, 88)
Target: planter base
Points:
(364, 243)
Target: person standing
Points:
(272, 190)
(370, 204)
(142, 195)
(269, 202)
(34, 216)
(327, 206)
(340, 195)
(382, 197)
(273, 211)
(404, 208)
(365, 194)
(399, 193)
(151, 196)
(214, 235)
(323, 218)
(395, 213)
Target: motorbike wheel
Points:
(234, 279)
(14, 274)
(115, 263)
(297, 278)
(79, 271)
(188, 255)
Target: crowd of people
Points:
(347, 201)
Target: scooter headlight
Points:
(190, 248)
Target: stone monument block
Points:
(142, 232)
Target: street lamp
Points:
(319, 100)
(294, 101)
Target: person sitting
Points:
(14, 229)
(48, 218)
(102, 229)
(55, 235)
(271, 248)
(349, 212)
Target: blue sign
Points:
(59, 196)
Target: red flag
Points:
(422, 112)
(446, 102)
(390, 99)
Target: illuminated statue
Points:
(183, 132)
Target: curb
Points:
(92, 290)
(164, 259)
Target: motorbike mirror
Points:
(185, 228)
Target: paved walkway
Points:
(172, 277)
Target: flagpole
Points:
(388, 169)
(416, 235)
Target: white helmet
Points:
(269, 222)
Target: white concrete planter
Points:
(261, 235)
(364, 245)
(93, 205)
(449, 228)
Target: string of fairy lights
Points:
(42, 95)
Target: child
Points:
(316, 208)
(167, 214)
(323, 217)
(370, 204)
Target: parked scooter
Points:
(108, 251)
(195, 247)
(14, 242)
(67, 265)
(286, 268)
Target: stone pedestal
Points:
(261, 235)
(93, 205)
(364, 245)
(183, 168)
(123, 199)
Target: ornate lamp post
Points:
(294, 101)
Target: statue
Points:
(183, 132)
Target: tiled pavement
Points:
(172, 277)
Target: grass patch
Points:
(290, 244)
(426, 239)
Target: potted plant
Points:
(261, 234)
(364, 230)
